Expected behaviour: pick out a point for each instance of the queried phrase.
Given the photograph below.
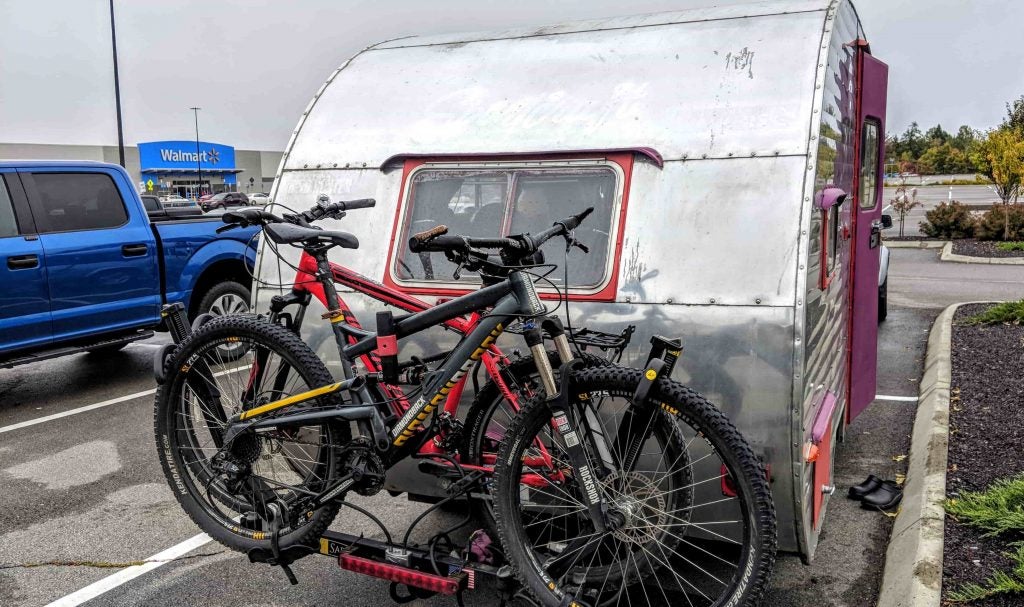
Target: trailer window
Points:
(488, 202)
(869, 165)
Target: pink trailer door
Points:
(872, 78)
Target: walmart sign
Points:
(183, 155)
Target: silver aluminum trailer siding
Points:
(734, 119)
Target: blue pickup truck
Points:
(84, 267)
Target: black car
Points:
(225, 200)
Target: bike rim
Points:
(284, 466)
(690, 551)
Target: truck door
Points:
(24, 295)
(101, 257)
(872, 79)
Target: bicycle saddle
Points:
(287, 233)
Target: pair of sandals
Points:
(875, 493)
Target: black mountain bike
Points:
(611, 486)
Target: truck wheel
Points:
(225, 298)
(883, 301)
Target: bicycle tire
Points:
(171, 433)
(477, 428)
(756, 549)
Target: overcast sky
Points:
(253, 65)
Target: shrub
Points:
(949, 220)
(992, 224)
(1009, 311)
(1010, 246)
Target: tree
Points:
(1000, 157)
(965, 138)
(913, 141)
(1015, 116)
(901, 202)
(936, 136)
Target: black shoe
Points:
(857, 492)
(885, 497)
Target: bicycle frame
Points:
(355, 343)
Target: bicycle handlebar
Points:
(522, 245)
(324, 208)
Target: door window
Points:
(497, 201)
(8, 224)
(869, 164)
(78, 201)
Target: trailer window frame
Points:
(620, 163)
(869, 175)
(831, 234)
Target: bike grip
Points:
(231, 217)
(573, 222)
(431, 233)
(362, 203)
(438, 243)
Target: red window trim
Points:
(607, 293)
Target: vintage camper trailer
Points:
(733, 157)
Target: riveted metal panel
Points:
(715, 232)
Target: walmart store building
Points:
(169, 166)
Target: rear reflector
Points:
(402, 575)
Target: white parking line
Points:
(106, 403)
(126, 575)
(908, 399)
(99, 405)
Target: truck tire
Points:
(883, 301)
(225, 298)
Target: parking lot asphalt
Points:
(86, 490)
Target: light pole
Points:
(199, 158)
(117, 87)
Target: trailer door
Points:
(872, 78)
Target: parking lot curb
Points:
(913, 562)
(949, 255)
(915, 244)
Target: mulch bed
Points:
(986, 441)
(981, 248)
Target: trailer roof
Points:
(698, 14)
(721, 82)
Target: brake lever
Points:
(226, 227)
(570, 242)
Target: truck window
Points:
(152, 203)
(8, 224)
(77, 201)
(495, 201)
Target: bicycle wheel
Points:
(689, 524)
(491, 414)
(226, 489)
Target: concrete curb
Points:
(949, 255)
(915, 244)
(913, 561)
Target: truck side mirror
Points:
(886, 222)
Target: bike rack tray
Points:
(411, 567)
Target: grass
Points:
(1006, 312)
(1010, 246)
(997, 510)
